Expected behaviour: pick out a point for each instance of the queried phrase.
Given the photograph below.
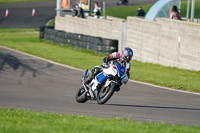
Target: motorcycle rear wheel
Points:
(106, 94)
(81, 95)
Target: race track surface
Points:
(20, 14)
(31, 83)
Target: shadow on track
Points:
(15, 63)
(155, 107)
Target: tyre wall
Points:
(98, 44)
(106, 28)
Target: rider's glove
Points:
(105, 65)
(105, 62)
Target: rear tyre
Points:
(81, 95)
(106, 93)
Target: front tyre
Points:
(81, 95)
(106, 93)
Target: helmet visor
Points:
(127, 58)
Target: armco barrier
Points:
(98, 44)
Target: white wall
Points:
(153, 42)
(158, 42)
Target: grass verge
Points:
(124, 11)
(23, 121)
(27, 40)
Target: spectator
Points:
(140, 12)
(74, 12)
(97, 10)
(174, 13)
(122, 2)
(78, 12)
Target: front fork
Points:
(85, 75)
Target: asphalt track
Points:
(20, 14)
(33, 83)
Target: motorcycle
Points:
(104, 84)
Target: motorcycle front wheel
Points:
(81, 95)
(106, 93)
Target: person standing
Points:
(140, 12)
(78, 12)
(97, 10)
(122, 2)
(174, 13)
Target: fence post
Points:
(123, 40)
(104, 9)
(58, 7)
(192, 10)
(188, 10)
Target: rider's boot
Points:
(94, 72)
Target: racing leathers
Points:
(117, 56)
(97, 69)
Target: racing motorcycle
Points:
(104, 84)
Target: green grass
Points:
(197, 9)
(51, 22)
(14, 1)
(124, 11)
(25, 121)
(27, 40)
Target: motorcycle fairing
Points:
(101, 77)
(121, 69)
(85, 74)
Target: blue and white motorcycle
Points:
(104, 84)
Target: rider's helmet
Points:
(127, 54)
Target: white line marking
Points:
(36, 57)
(166, 88)
(157, 86)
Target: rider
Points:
(125, 56)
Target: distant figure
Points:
(97, 10)
(140, 12)
(78, 12)
(74, 12)
(122, 2)
(174, 13)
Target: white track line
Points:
(157, 86)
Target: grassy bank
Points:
(24, 121)
(124, 11)
(27, 40)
